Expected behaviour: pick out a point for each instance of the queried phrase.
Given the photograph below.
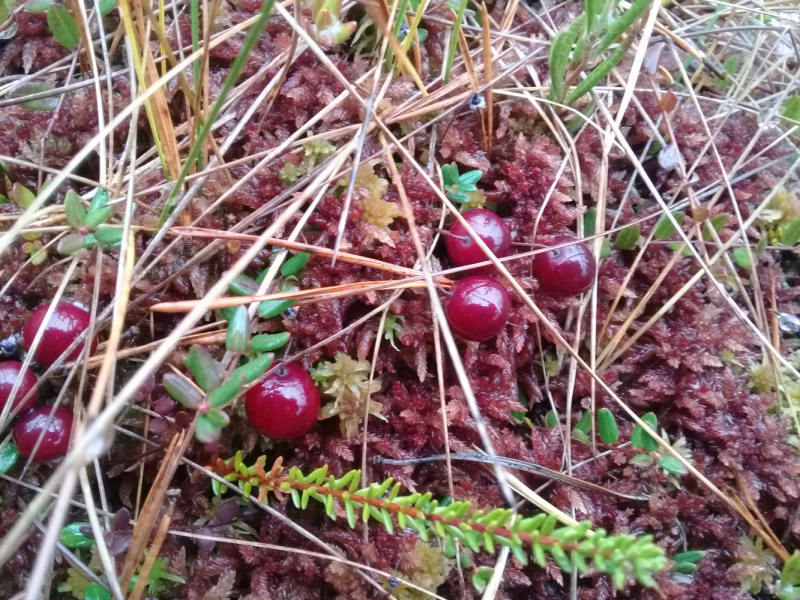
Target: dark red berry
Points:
(566, 271)
(66, 323)
(9, 371)
(285, 405)
(478, 308)
(490, 228)
(55, 441)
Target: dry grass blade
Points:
(152, 555)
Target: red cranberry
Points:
(566, 271)
(55, 441)
(9, 371)
(489, 227)
(66, 323)
(478, 308)
(285, 405)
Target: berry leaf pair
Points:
(457, 186)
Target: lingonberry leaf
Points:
(458, 196)
(269, 341)
(73, 209)
(99, 200)
(8, 456)
(183, 391)
(208, 373)
(238, 335)
(98, 216)
(467, 187)
(63, 26)
(607, 426)
(272, 308)
(294, 264)
(450, 174)
(37, 6)
(72, 537)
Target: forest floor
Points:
(166, 164)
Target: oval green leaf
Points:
(742, 258)
(208, 373)
(108, 235)
(8, 456)
(238, 334)
(269, 341)
(470, 178)
(205, 430)
(717, 222)
(627, 238)
(272, 308)
(37, 6)
(73, 209)
(790, 574)
(607, 425)
(71, 537)
(550, 419)
(63, 26)
(94, 591)
(585, 424)
(294, 264)
(791, 233)
(106, 6)
(640, 438)
(28, 89)
(672, 465)
(665, 228)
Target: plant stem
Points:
(451, 46)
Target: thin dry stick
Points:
(152, 554)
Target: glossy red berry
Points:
(9, 371)
(490, 228)
(566, 271)
(285, 405)
(66, 323)
(478, 308)
(55, 441)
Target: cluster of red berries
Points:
(479, 305)
(64, 326)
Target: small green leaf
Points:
(742, 258)
(479, 583)
(269, 341)
(791, 233)
(94, 591)
(106, 6)
(458, 196)
(559, 56)
(294, 264)
(605, 249)
(581, 437)
(255, 368)
(22, 195)
(6, 6)
(242, 285)
(205, 430)
(717, 222)
(105, 234)
(685, 568)
(589, 221)
(8, 456)
(28, 89)
(272, 308)
(470, 177)
(63, 26)
(550, 419)
(675, 246)
(73, 209)
(467, 187)
(70, 244)
(791, 108)
(607, 426)
(99, 200)
(217, 417)
(98, 216)
(585, 424)
(627, 238)
(665, 228)
(690, 556)
(37, 6)
(71, 537)
(790, 574)
(450, 174)
(181, 390)
(642, 460)
(731, 65)
(238, 335)
(640, 438)
(672, 465)
(208, 373)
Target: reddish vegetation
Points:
(690, 368)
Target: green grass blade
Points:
(233, 75)
(621, 24)
(597, 74)
(451, 47)
(559, 57)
